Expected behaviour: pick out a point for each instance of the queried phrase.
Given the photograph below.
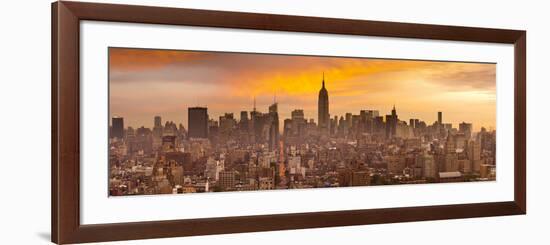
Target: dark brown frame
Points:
(66, 227)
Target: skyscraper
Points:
(474, 154)
(391, 124)
(157, 129)
(297, 114)
(440, 118)
(158, 121)
(274, 126)
(451, 159)
(323, 114)
(197, 122)
(466, 129)
(118, 127)
(157, 132)
(227, 124)
(244, 116)
(450, 144)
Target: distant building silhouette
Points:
(118, 128)
(466, 129)
(244, 116)
(157, 132)
(274, 127)
(197, 122)
(158, 121)
(391, 124)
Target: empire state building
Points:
(323, 115)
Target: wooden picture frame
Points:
(65, 175)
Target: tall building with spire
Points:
(322, 110)
(391, 124)
(274, 126)
(254, 123)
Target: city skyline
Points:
(350, 144)
(347, 79)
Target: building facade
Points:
(197, 122)
(323, 110)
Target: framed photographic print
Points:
(177, 122)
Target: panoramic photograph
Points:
(184, 122)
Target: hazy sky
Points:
(145, 83)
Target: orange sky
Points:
(144, 83)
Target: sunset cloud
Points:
(144, 83)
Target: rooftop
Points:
(450, 174)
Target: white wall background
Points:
(25, 121)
